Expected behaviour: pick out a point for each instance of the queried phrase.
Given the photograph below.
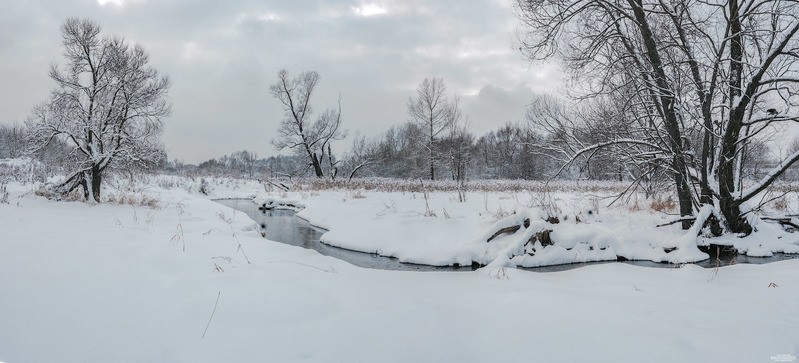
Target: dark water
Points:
(284, 226)
(726, 255)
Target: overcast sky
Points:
(223, 55)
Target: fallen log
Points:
(501, 231)
(543, 237)
(511, 229)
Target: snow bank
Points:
(441, 231)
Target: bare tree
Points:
(12, 141)
(458, 144)
(393, 154)
(718, 73)
(364, 154)
(108, 105)
(297, 131)
(244, 161)
(434, 112)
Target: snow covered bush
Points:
(204, 187)
(3, 193)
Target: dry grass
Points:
(780, 204)
(46, 191)
(134, 199)
(414, 186)
(663, 204)
(357, 195)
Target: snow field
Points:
(98, 283)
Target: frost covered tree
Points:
(108, 106)
(244, 162)
(297, 131)
(435, 113)
(567, 130)
(363, 154)
(697, 82)
(12, 141)
(457, 145)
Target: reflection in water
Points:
(283, 226)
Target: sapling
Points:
(428, 212)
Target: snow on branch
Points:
(597, 146)
(769, 178)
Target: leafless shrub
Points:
(427, 211)
(501, 213)
(545, 201)
(4, 193)
(204, 187)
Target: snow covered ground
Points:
(439, 229)
(111, 282)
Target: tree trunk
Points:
(317, 166)
(729, 205)
(683, 190)
(96, 181)
(671, 123)
(430, 148)
(85, 188)
(432, 169)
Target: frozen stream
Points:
(284, 226)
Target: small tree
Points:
(296, 131)
(433, 112)
(108, 105)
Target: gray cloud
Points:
(222, 56)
